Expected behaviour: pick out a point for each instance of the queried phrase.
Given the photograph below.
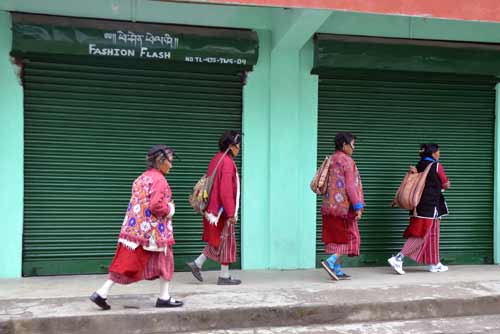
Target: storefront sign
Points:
(146, 45)
(33, 34)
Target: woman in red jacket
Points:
(222, 211)
(146, 238)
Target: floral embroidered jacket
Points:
(148, 211)
(344, 194)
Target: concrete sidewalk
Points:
(265, 299)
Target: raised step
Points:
(489, 324)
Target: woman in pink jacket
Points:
(146, 238)
(343, 205)
(222, 211)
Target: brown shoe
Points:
(195, 270)
(329, 270)
(228, 281)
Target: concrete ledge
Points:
(489, 324)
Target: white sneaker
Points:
(438, 268)
(397, 265)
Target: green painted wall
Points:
(149, 11)
(452, 30)
(11, 156)
(112, 9)
(204, 15)
(261, 18)
(280, 111)
(345, 23)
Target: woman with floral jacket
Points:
(343, 205)
(146, 238)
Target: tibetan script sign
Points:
(67, 36)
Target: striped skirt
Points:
(351, 248)
(130, 266)
(226, 252)
(424, 250)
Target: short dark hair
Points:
(426, 150)
(158, 153)
(342, 138)
(229, 137)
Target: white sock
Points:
(104, 290)
(400, 257)
(164, 294)
(224, 271)
(200, 260)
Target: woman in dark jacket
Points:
(422, 234)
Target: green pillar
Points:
(286, 162)
(496, 205)
(293, 147)
(292, 140)
(280, 131)
(11, 157)
(308, 143)
(255, 237)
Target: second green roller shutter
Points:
(392, 113)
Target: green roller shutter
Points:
(88, 127)
(391, 113)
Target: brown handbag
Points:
(411, 189)
(319, 183)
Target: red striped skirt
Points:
(130, 266)
(351, 247)
(226, 252)
(424, 250)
